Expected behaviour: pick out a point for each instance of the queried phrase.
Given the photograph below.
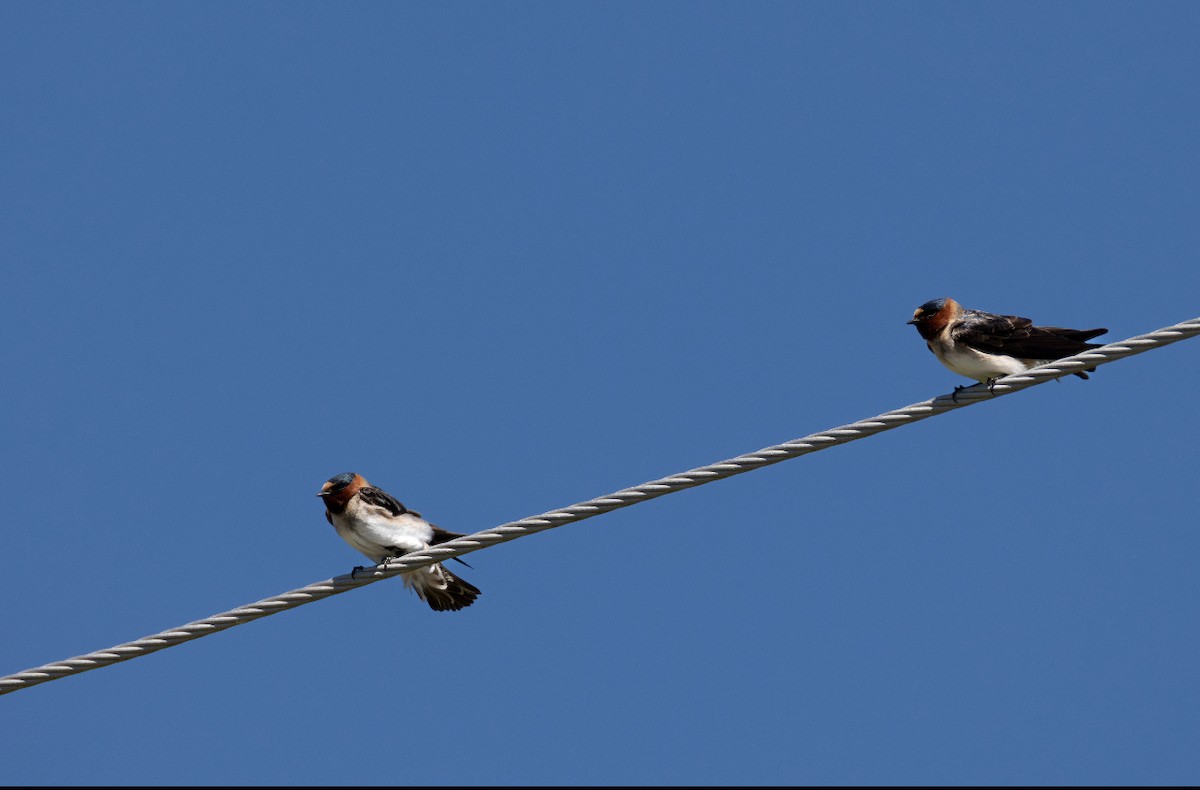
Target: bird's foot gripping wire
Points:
(992, 385)
(379, 565)
(957, 389)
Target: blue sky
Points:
(501, 258)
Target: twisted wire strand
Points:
(594, 507)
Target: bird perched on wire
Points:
(985, 346)
(374, 522)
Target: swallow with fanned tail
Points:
(374, 522)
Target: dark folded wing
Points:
(442, 535)
(1076, 334)
(375, 496)
(1017, 337)
(988, 332)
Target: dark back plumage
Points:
(1018, 337)
(377, 496)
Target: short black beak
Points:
(911, 322)
(323, 493)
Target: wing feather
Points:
(442, 535)
(1018, 337)
(380, 498)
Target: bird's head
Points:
(338, 489)
(933, 316)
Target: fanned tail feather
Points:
(445, 592)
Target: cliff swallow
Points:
(374, 522)
(985, 346)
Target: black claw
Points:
(992, 386)
(957, 389)
(355, 571)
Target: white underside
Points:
(974, 364)
(371, 531)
